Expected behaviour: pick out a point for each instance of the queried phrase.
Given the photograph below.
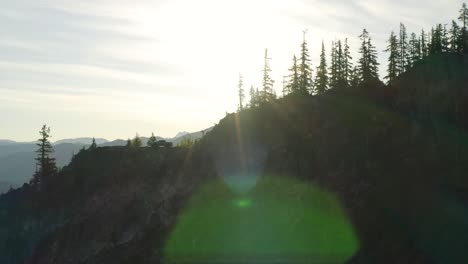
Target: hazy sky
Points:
(111, 68)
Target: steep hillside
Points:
(349, 176)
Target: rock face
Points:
(400, 181)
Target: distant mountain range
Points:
(17, 163)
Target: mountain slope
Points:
(398, 182)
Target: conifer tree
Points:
(347, 62)
(463, 17)
(136, 142)
(393, 58)
(321, 78)
(267, 82)
(415, 49)
(367, 64)
(435, 46)
(403, 62)
(424, 48)
(241, 92)
(444, 39)
(305, 72)
(340, 69)
(93, 144)
(45, 163)
(454, 37)
(333, 67)
(152, 141)
(293, 84)
(253, 97)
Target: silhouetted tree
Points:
(267, 82)
(367, 64)
(93, 144)
(463, 17)
(253, 97)
(45, 163)
(136, 142)
(424, 43)
(444, 39)
(414, 49)
(333, 67)
(241, 92)
(347, 62)
(393, 58)
(404, 56)
(152, 141)
(454, 38)
(129, 143)
(293, 84)
(305, 73)
(321, 78)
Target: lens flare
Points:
(280, 220)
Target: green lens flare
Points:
(243, 203)
(281, 220)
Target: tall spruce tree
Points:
(293, 84)
(463, 17)
(367, 64)
(305, 71)
(340, 63)
(393, 58)
(404, 57)
(444, 38)
(414, 49)
(267, 82)
(240, 92)
(253, 97)
(321, 77)
(424, 48)
(333, 80)
(454, 37)
(45, 163)
(347, 62)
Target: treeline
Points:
(405, 51)
(46, 166)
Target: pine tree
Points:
(267, 82)
(45, 163)
(152, 141)
(367, 64)
(463, 17)
(241, 93)
(415, 50)
(333, 67)
(305, 71)
(393, 58)
(444, 39)
(136, 142)
(424, 49)
(403, 62)
(435, 46)
(340, 67)
(321, 78)
(454, 38)
(93, 144)
(253, 97)
(293, 85)
(347, 63)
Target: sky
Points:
(114, 68)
